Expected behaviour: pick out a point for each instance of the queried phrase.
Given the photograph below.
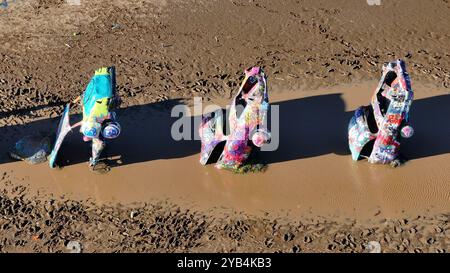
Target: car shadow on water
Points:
(308, 127)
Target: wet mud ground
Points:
(170, 50)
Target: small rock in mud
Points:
(373, 247)
(74, 247)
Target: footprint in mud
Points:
(307, 239)
(331, 247)
(288, 237)
(296, 249)
(269, 242)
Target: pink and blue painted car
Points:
(375, 131)
(246, 122)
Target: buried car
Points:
(247, 116)
(375, 131)
(99, 122)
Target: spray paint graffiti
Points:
(388, 114)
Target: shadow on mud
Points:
(146, 136)
(309, 127)
(317, 125)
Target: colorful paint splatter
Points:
(386, 120)
(248, 112)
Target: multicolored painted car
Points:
(247, 116)
(99, 121)
(375, 131)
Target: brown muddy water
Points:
(310, 174)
